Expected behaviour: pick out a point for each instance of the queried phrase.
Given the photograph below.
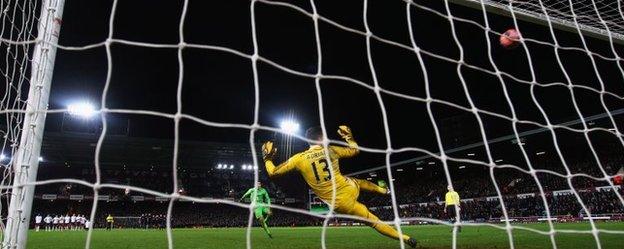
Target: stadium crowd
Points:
(419, 191)
(152, 214)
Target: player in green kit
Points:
(262, 210)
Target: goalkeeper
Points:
(318, 173)
(262, 210)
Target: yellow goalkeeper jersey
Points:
(313, 166)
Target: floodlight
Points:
(289, 126)
(81, 109)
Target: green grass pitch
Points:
(429, 236)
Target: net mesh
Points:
(601, 15)
(587, 14)
(18, 20)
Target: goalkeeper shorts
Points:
(261, 212)
(346, 197)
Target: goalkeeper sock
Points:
(371, 187)
(387, 230)
(360, 210)
(265, 227)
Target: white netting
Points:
(18, 20)
(596, 14)
(590, 15)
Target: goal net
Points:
(525, 133)
(600, 19)
(18, 31)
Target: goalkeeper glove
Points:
(345, 132)
(268, 151)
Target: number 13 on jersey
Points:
(321, 165)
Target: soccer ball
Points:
(510, 39)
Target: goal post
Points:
(531, 11)
(26, 161)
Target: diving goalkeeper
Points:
(262, 211)
(313, 166)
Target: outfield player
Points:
(72, 221)
(82, 220)
(38, 220)
(318, 173)
(56, 222)
(263, 210)
(451, 205)
(48, 223)
(61, 224)
(67, 220)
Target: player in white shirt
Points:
(38, 219)
(83, 220)
(61, 225)
(48, 222)
(67, 220)
(87, 224)
(73, 223)
(55, 222)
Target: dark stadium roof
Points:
(78, 149)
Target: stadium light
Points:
(289, 126)
(498, 160)
(40, 159)
(462, 167)
(231, 166)
(540, 153)
(81, 109)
